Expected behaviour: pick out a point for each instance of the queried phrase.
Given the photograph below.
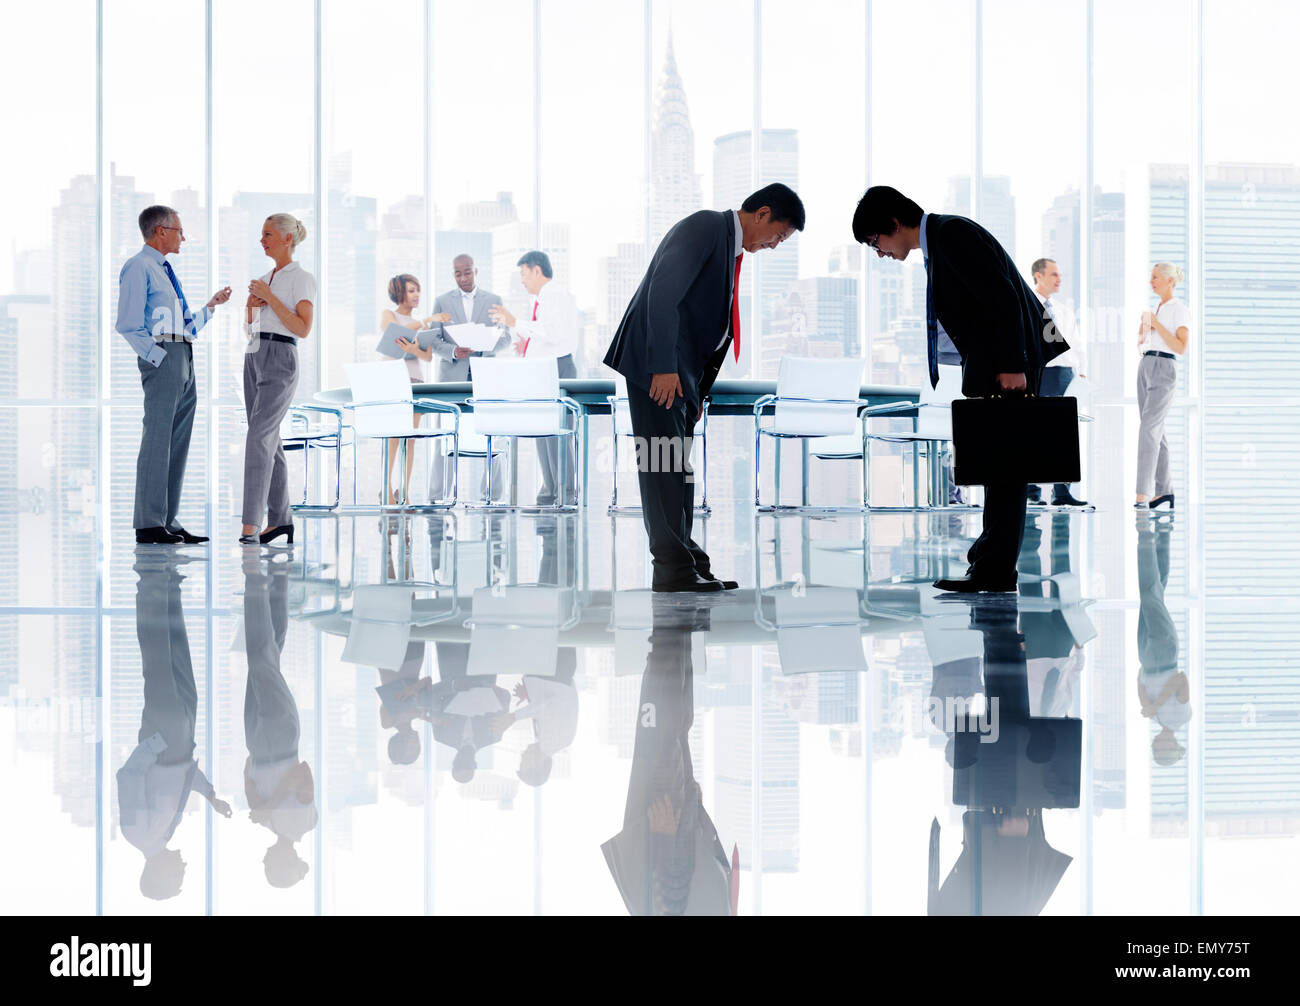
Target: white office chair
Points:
(815, 399)
(298, 432)
(382, 407)
(521, 398)
(621, 422)
(931, 433)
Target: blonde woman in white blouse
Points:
(1162, 338)
(278, 313)
(404, 292)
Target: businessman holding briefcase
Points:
(975, 294)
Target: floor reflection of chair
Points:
(316, 589)
(633, 614)
(516, 629)
(381, 620)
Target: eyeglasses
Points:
(873, 243)
(178, 230)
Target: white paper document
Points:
(479, 338)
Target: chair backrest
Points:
(510, 381)
(934, 414)
(622, 411)
(827, 384)
(387, 381)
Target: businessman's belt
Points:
(277, 337)
(170, 338)
(1163, 356)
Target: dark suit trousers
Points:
(997, 549)
(667, 485)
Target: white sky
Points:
(592, 154)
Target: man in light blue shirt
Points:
(155, 319)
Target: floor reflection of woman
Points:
(279, 786)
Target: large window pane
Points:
(375, 169)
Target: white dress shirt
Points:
(1061, 312)
(554, 333)
(740, 247)
(1173, 314)
(290, 285)
(467, 303)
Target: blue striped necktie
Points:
(931, 329)
(185, 307)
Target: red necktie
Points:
(524, 351)
(735, 309)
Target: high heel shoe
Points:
(266, 537)
(1156, 503)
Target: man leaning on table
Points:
(155, 319)
(550, 330)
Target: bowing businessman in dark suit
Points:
(670, 346)
(975, 294)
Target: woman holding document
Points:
(404, 292)
(278, 312)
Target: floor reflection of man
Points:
(668, 859)
(1008, 766)
(155, 782)
(279, 786)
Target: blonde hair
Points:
(1169, 271)
(287, 223)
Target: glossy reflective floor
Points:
(483, 714)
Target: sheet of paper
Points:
(479, 338)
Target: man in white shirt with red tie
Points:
(549, 331)
(678, 329)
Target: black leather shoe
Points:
(1034, 500)
(1066, 499)
(1160, 501)
(266, 537)
(726, 584)
(156, 536)
(189, 539)
(969, 585)
(694, 585)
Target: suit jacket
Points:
(450, 368)
(991, 314)
(682, 308)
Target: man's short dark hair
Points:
(539, 260)
(153, 217)
(785, 204)
(1040, 266)
(877, 210)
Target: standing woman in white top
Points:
(278, 313)
(1162, 338)
(404, 292)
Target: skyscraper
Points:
(674, 184)
(997, 206)
(732, 183)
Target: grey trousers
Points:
(1157, 379)
(169, 399)
(270, 380)
(548, 454)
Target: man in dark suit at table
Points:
(975, 294)
(670, 346)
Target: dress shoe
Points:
(156, 536)
(1066, 499)
(1159, 501)
(1034, 500)
(694, 584)
(189, 539)
(970, 585)
(266, 537)
(726, 584)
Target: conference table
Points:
(727, 398)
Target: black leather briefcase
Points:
(1015, 439)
